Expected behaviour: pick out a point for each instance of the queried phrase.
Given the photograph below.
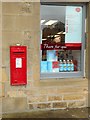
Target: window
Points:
(62, 41)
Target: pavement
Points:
(66, 113)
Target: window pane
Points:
(61, 38)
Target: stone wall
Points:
(21, 24)
(0, 58)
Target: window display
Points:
(60, 61)
(61, 39)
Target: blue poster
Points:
(51, 55)
(43, 66)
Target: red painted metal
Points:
(18, 65)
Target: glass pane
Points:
(61, 38)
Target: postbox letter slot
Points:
(18, 52)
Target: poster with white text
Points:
(73, 24)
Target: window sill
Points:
(63, 75)
(64, 82)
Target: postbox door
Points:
(18, 65)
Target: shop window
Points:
(62, 41)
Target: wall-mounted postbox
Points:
(18, 65)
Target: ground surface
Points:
(67, 113)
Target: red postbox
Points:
(18, 65)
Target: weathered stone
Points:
(8, 23)
(0, 107)
(17, 8)
(26, 88)
(16, 94)
(52, 91)
(21, 24)
(76, 104)
(28, 35)
(54, 98)
(12, 37)
(31, 106)
(27, 8)
(36, 74)
(40, 106)
(64, 90)
(14, 104)
(87, 101)
(36, 7)
(75, 82)
(73, 97)
(59, 105)
(10, 8)
(3, 90)
(4, 75)
(38, 99)
(43, 91)
(44, 105)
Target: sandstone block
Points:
(8, 22)
(27, 8)
(52, 91)
(37, 99)
(43, 91)
(14, 104)
(16, 94)
(4, 75)
(36, 8)
(11, 8)
(73, 97)
(3, 90)
(54, 98)
(75, 82)
(40, 106)
(17, 8)
(24, 23)
(11, 37)
(44, 105)
(0, 107)
(76, 104)
(59, 105)
(0, 89)
(70, 89)
(36, 22)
